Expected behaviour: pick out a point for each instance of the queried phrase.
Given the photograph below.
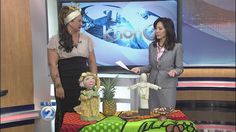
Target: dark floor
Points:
(210, 116)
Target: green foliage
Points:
(108, 87)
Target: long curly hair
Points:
(65, 41)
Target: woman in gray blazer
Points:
(165, 64)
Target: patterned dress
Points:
(89, 106)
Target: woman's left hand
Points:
(172, 73)
(60, 93)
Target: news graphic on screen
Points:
(123, 30)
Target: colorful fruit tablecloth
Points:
(176, 122)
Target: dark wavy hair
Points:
(65, 38)
(168, 24)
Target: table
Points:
(177, 121)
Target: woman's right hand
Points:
(136, 70)
(60, 93)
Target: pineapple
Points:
(108, 91)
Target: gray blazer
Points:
(158, 75)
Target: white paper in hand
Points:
(121, 64)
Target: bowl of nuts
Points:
(129, 114)
(163, 111)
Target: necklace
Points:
(75, 45)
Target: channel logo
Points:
(47, 112)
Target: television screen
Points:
(208, 31)
(123, 30)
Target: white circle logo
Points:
(48, 113)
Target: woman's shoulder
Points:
(54, 37)
(53, 42)
(84, 36)
(151, 45)
(178, 45)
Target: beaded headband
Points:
(71, 16)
